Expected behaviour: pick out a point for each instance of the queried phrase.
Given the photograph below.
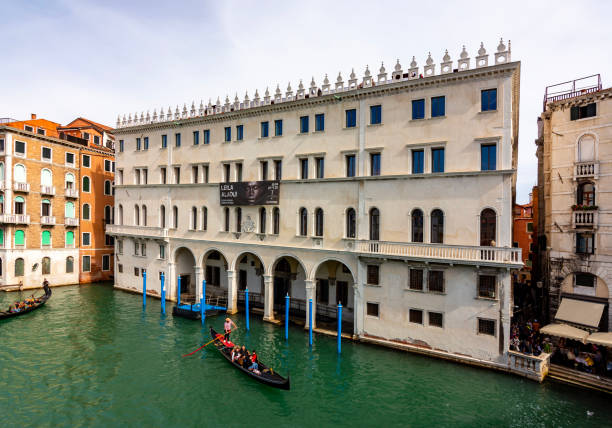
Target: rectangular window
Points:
(416, 279)
(143, 247)
(46, 154)
(486, 286)
(136, 248)
(86, 161)
(226, 172)
(304, 124)
(206, 136)
(86, 238)
(374, 163)
(177, 139)
(121, 145)
(486, 327)
(41, 131)
(320, 162)
(138, 144)
(86, 135)
(278, 127)
(162, 251)
(418, 109)
(372, 309)
(350, 165)
(304, 168)
(488, 157)
(162, 175)
(20, 148)
(106, 262)
(205, 172)
(228, 134)
(373, 274)
(418, 161)
(438, 106)
(264, 170)
(194, 174)
(120, 268)
(265, 129)
(319, 122)
(351, 118)
(437, 160)
(278, 169)
(416, 316)
(96, 140)
(584, 243)
(164, 141)
(238, 172)
(145, 176)
(436, 319)
(196, 138)
(239, 132)
(488, 100)
(146, 143)
(530, 227)
(107, 165)
(582, 112)
(375, 115)
(177, 174)
(86, 264)
(70, 159)
(136, 271)
(435, 281)
(28, 128)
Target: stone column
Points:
(232, 292)
(171, 282)
(269, 298)
(359, 299)
(504, 314)
(311, 293)
(198, 283)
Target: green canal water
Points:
(93, 357)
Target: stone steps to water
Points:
(578, 378)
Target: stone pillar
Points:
(268, 298)
(198, 283)
(504, 313)
(311, 293)
(359, 303)
(171, 282)
(232, 292)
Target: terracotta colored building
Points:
(523, 236)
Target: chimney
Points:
(33, 116)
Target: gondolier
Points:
(227, 326)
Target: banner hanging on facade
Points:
(249, 193)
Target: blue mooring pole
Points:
(163, 294)
(144, 289)
(246, 297)
(178, 292)
(203, 302)
(339, 327)
(310, 322)
(287, 316)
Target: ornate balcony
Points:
(47, 220)
(71, 193)
(21, 187)
(47, 190)
(141, 231)
(460, 254)
(586, 170)
(71, 221)
(586, 219)
(15, 218)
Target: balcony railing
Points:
(586, 169)
(47, 220)
(71, 193)
(47, 190)
(530, 366)
(584, 219)
(445, 253)
(144, 231)
(15, 218)
(21, 187)
(71, 221)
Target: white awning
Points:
(580, 312)
(566, 331)
(604, 339)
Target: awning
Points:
(604, 339)
(580, 312)
(566, 331)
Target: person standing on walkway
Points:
(227, 326)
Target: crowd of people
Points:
(23, 305)
(526, 338)
(588, 358)
(240, 355)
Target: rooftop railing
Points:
(572, 88)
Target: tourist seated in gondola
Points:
(235, 353)
(254, 367)
(253, 356)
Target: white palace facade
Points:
(395, 199)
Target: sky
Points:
(67, 58)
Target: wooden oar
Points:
(206, 344)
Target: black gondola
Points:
(39, 302)
(268, 376)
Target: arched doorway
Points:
(289, 278)
(334, 284)
(215, 273)
(185, 270)
(250, 274)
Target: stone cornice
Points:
(579, 100)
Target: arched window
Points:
(586, 148)
(69, 264)
(1, 204)
(276, 221)
(20, 173)
(303, 222)
(86, 184)
(1, 238)
(69, 209)
(46, 179)
(46, 266)
(1, 170)
(350, 223)
(108, 215)
(437, 227)
(194, 218)
(86, 212)
(374, 224)
(0, 267)
(136, 215)
(175, 217)
(586, 194)
(226, 220)
(417, 225)
(45, 207)
(162, 216)
(144, 215)
(69, 181)
(69, 239)
(46, 238)
(19, 205)
(319, 222)
(238, 219)
(120, 214)
(19, 237)
(204, 218)
(19, 267)
(107, 187)
(262, 220)
(487, 227)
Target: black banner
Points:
(249, 193)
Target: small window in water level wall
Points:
(372, 309)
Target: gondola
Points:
(270, 377)
(41, 301)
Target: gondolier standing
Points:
(45, 284)
(227, 326)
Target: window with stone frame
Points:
(416, 279)
(372, 309)
(435, 281)
(416, 316)
(486, 326)
(487, 286)
(373, 275)
(436, 319)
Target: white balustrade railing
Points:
(586, 218)
(155, 232)
(47, 219)
(530, 366)
(21, 187)
(586, 169)
(71, 193)
(71, 221)
(47, 190)
(15, 218)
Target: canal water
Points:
(93, 357)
